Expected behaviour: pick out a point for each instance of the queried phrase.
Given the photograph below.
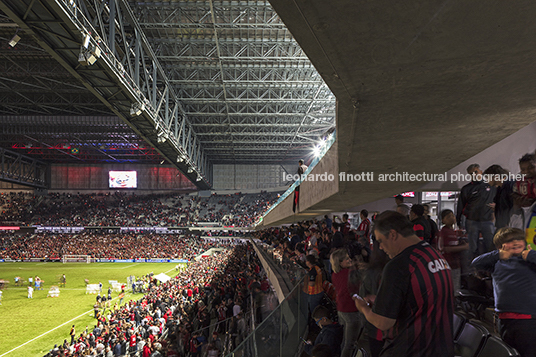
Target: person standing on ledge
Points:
(414, 305)
(301, 171)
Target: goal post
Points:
(72, 258)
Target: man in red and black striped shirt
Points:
(414, 305)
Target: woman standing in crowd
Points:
(346, 283)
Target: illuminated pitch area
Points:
(25, 319)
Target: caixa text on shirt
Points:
(438, 265)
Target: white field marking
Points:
(164, 273)
(24, 288)
(57, 327)
(128, 266)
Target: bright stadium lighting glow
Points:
(316, 150)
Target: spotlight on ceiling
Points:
(318, 148)
(179, 158)
(14, 40)
(316, 151)
(198, 178)
(88, 52)
(190, 170)
(162, 162)
(87, 38)
(136, 109)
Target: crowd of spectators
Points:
(102, 245)
(127, 210)
(354, 253)
(495, 205)
(174, 318)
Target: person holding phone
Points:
(415, 304)
(331, 333)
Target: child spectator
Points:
(331, 333)
(513, 269)
(451, 246)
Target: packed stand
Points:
(486, 245)
(130, 210)
(102, 245)
(174, 318)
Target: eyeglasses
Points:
(318, 321)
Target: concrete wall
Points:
(384, 204)
(505, 153)
(311, 192)
(279, 287)
(250, 177)
(13, 186)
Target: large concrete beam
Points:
(421, 86)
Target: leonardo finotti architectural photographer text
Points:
(403, 176)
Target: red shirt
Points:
(525, 188)
(344, 296)
(146, 351)
(346, 228)
(132, 341)
(450, 239)
(364, 226)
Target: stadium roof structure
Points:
(420, 85)
(191, 82)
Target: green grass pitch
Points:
(35, 320)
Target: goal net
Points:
(76, 259)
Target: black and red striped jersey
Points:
(416, 290)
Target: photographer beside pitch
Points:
(513, 269)
(414, 306)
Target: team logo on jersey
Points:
(438, 265)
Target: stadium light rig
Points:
(14, 40)
(317, 150)
(136, 109)
(88, 51)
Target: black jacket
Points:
(473, 202)
(330, 335)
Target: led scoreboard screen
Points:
(123, 179)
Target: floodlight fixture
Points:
(14, 40)
(316, 151)
(85, 44)
(88, 52)
(136, 109)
